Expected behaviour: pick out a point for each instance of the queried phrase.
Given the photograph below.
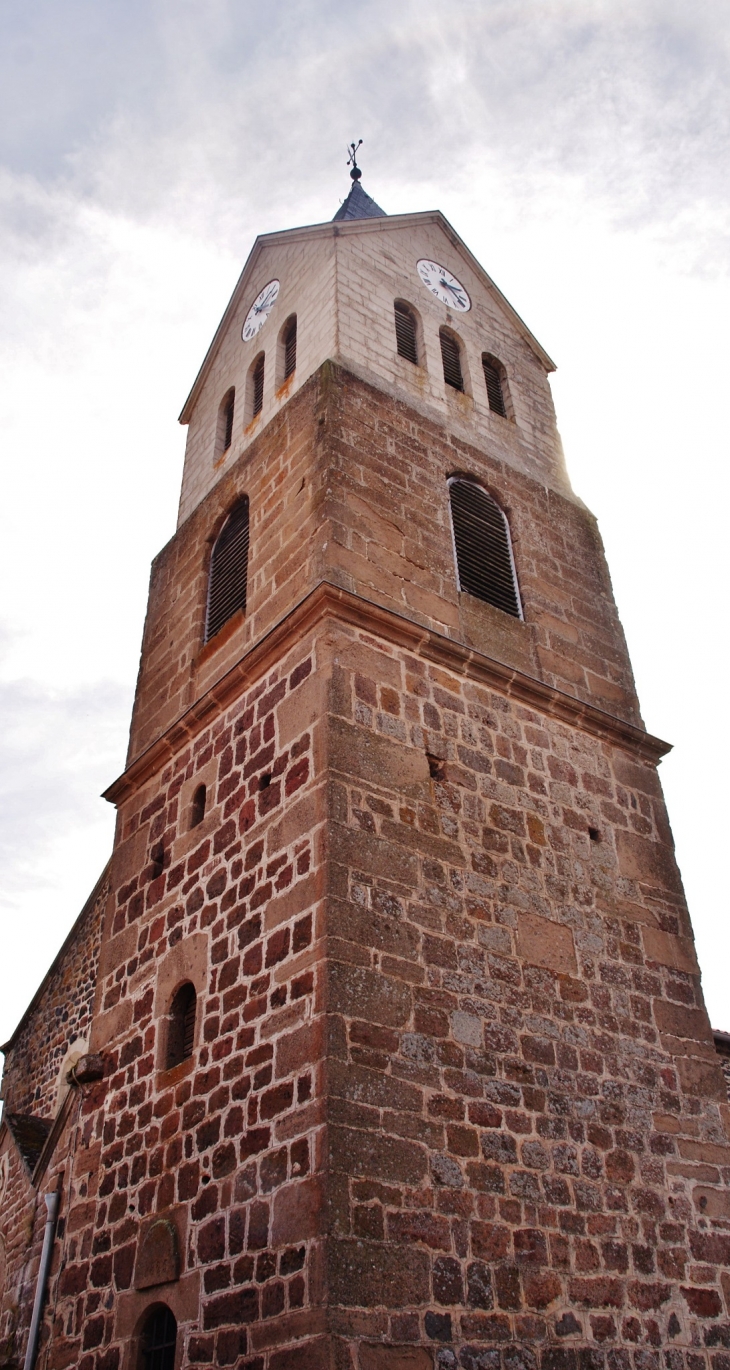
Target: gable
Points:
(271, 249)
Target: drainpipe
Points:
(52, 1202)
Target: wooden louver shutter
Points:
(258, 386)
(405, 333)
(228, 570)
(290, 350)
(228, 414)
(495, 394)
(483, 554)
(451, 360)
(188, 1024)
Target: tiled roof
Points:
(359, 205)
(30, 1135)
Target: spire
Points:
(358, 204)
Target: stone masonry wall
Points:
(528, 1127)
(228, 1145)
(348, 485)
(60, 1016)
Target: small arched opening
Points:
(495, 378)
(158, 1340)
(451, 359)
(406, 332)
(197, 808)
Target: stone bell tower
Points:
(405, 1058)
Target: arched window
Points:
(228, 570)
(256, 387)
(181, 1026)
(224, 428)
(158, 1340)
(484, 561)
(406, 333)
(451, 358)
(197, 812)
(289, 346)
(494, 376)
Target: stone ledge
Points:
(327, 601)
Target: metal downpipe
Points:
(52, 1201)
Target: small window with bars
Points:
(451, 358)
(484, 562)
(159, 1340)
(228, 577)
(181, 1026)
(289, 348)
(496, 383)
(224, 425)
(256, 387)
(406, 332)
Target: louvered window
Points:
(483, 549)
(181, 1026)
(228, 404)
(495, 388)
(405, 333)
(257, 386)
(451, 359)
(228, 570)
(158, 1341)
(290, 348)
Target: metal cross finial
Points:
(352, 160)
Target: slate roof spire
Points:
(358, 205)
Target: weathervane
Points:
(352, 160)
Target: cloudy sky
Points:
(580, 148)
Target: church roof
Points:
(359, 205)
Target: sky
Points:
(580, 149)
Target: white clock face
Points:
(259, 311)
(442, 284)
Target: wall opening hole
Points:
(703, 1202)
(197, 812)
(158, 860)
(594, 834)
(205, 1179)
(436, 767)
(265, 781)
(181, 1026)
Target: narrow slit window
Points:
(451, 358)
(181, 1026)
(257, 385)
(197, 813)
(228, 406)
(228, 570)
(159, 1340)
(405, 333)
(484, 561)
(290, 348)
(224, 424)
(493, 372)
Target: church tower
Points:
(397, 1056)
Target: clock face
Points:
(259, 311)
(443, 285)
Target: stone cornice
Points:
(327, 601)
